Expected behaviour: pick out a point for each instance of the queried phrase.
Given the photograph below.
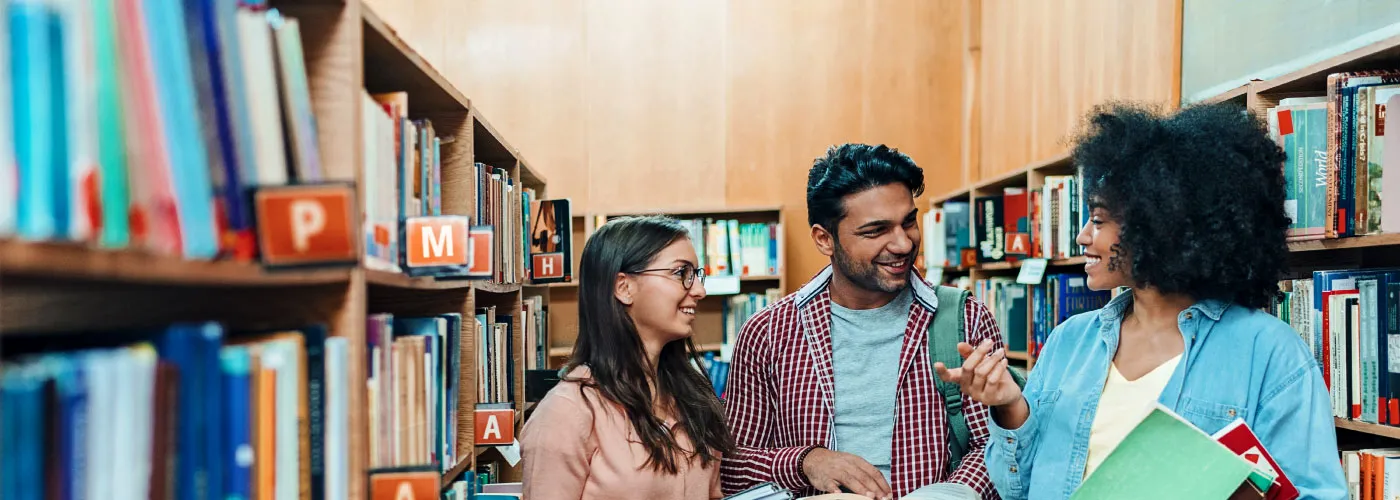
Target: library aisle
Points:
(295, 249)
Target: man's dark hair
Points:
(1198, 194)
(851, 168)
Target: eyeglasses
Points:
(686, 274)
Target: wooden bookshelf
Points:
(53, 292)
(563, 297)
(80, 262)
(1372, 429)
(1256, 96)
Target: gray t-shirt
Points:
(865, 357)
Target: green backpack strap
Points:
(943, 347)
(944, 333)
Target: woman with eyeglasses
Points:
(633, 417)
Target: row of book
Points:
(415, 373)
(187, 412)
(1018, 223)
(403, 166)
(1008, 303)
(1058, 297)
(1337, 154)
(1348, 318)
(737, 309)
(727, 247)
(1028, 313)
(413, 389)
(1366, 472)
(217, 90)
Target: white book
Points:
(80, 103)
(296, 98)
(261, 96)
(337, 435)
(280, 357)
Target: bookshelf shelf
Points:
(1006, 266)
(761, 277)
(564, 352)
(396, 280)
(455, 472)
(490, 146)
(392, 65)
(1376, 240)
(1372, 429)
(72, 261)
(1313, 78)
(500, 288)
(1018, 355)
(701, 211)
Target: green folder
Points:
(1167, 457)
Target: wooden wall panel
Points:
(523, 65)
(655, 87)
(804, 76)
(1045, 64)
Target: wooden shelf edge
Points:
(76, 261)
(490, 287)
(399, 280)
(1372, 429)
(965, 192)
(456, 472)
(380, 29)
(1006, 266)
(1320, 69)
(724, 210)
(1374, 240)
(1018, 355)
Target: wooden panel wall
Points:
(1045, 64)
(806, 75)
(636, 104)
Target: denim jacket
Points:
(1237, 362)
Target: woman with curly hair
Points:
(1186, 210)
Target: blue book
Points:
(36, 66)
(181, 126)
(72, 423)
(237, 421)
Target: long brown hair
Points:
(609, 345)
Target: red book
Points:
(1239, 439)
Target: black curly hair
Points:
(1198, 194)
(851, 168)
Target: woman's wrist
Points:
(1012, 415)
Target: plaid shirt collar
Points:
(813, 302)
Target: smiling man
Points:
(832, 388)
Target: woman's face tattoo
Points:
(1116, 261)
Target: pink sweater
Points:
(571, 453)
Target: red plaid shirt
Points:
(779, 399)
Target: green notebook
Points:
(1167, 457)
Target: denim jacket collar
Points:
(1116, 308)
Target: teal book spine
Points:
(111, 139)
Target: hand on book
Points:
(983, 375)
(829, 470)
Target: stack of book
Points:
(1347, 318)
(188, 412)
(1338, 152)
(414, 369)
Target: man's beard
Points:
(867, 274)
